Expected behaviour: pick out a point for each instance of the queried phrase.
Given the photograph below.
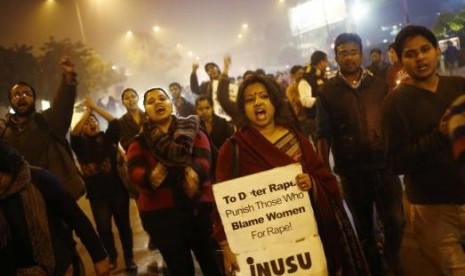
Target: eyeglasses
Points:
(20, 94)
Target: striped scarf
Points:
(174, 148)
(35, 213)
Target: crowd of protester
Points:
(377, 122)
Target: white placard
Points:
(267, 210)
(302, 258)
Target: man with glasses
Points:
(39, 136)
(348, 120)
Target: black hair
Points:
(282, 114)
(22, 83)
(247, 74)
(176, 84)
(203, 98)
(376, 50)
(127, 90)
(10, 161)
(155, 89)
(295, 68)
(392, 46)
(208, 64)
(260, 71)
(412, 31)
(345, 38)
(317, 56)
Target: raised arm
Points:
(194, 81)
(60, 113)
(77, 129)
(223, 91)
(99, 110)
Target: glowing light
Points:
(44, 104)
(360, 11)
(129, 33)
(240, 36)
(245, 26)
(156, 29)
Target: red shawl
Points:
(257, 154)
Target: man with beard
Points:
(348, 119)
(41, 136)
(415, 127)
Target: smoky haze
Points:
(188, 31)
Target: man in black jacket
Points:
(211, 88)
(348, 119)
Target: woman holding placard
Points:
(265, 141)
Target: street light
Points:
(81, 25)
(78, 15)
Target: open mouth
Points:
(422, 67)
(160, 109)
(260, 113)
(22, 103)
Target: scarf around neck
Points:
(175, 147)
(35, 213)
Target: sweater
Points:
(169, 194)
(416, 147)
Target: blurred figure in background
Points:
(451, 58)
(315, 72)
(299, 94)
(378, 66)
(131, 122)
(183, 107)
(218, 128)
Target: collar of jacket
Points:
(356, 85)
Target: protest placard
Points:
(302, 258)
(267, 210)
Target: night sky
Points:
(206, 28)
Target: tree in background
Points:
(451, 24)
(17, 63)
(43, 71)
(94, 74)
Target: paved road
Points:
(413, 261)
(142, 256)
